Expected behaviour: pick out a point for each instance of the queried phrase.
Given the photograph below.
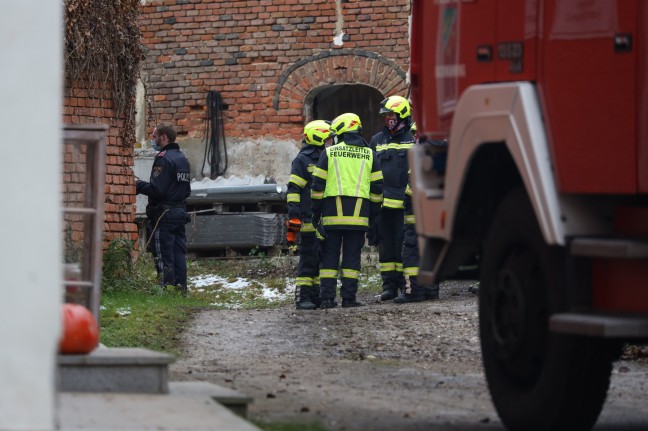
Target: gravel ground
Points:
(378, 367)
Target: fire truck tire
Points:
(538, 379)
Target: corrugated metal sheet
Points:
(235, 230)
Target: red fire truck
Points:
(544, 104)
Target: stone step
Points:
(183, 409)
(129, 370)
(227, 397)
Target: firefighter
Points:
(166, 211)
(413, 291)
(346, 196)
(317, 135)
(391, 145)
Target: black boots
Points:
(347, 303)
(315, 296)
(306, 304)
(307, 298)
(328, 303)
(412, 292)
(431, 293)
(388, 294)
(405, 298)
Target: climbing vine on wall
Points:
(103, 50)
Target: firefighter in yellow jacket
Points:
(300, 213)
(346, 197)
(392, 144)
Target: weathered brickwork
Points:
(82, 107)
(266, 57)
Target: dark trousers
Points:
(411, 257)
(169, 247)
(411, 263)
(307, 283)
(350, 242)
(390, 231)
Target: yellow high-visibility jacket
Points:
(347, 184)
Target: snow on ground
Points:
(200, 282)
(208, 280)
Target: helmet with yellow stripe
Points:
(348, 122)
(396, 104)
(317, 132)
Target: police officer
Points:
(317, 135)
(391, 145)
(346, 195)
(167, 190)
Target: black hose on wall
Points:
(215, 145)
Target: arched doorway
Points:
(330, 101)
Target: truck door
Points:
(452, 48)
(517, 31)
(589, 85)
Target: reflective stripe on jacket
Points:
(391, 151)
(299, 187)
(347, 184)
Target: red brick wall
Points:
(82, 107)
(265, 57)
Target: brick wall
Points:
(268, 58)
(83, 106)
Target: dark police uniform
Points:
(391, 151)
(299, 207)
(167, 190)
(347, 193)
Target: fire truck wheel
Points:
(538, 380)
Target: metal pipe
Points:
(239, 194)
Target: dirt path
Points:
(379, 367)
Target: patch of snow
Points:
(123, 311)
(226, 305)
(209, 280)
(374, 278)
(197, 282)
(270, 293)
(275, 295)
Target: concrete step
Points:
(189, 406)
(227, 397)
(130, 370)
(128, 389)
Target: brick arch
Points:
(342, 66)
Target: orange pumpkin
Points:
(80, 330)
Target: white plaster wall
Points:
(252, 157)
(30, 118)
(263, 156)
(246, 157)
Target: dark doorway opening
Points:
(362, 100)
